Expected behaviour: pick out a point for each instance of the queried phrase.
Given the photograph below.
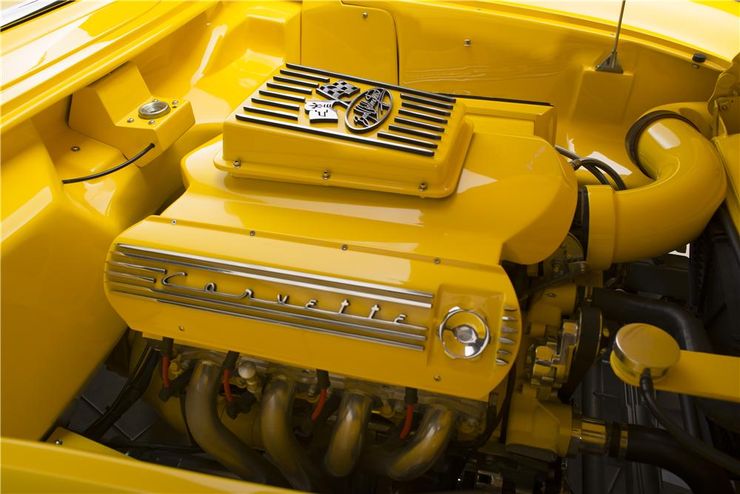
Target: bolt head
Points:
(437, 260)
(236, 163)
(58, 442)
(130, 120)
(151, 122)
(344, 247)
(252, 233)
(326, 175)
(365, 15)
(75, 148)
(423, 186)
(437, 378)
(174, 222)
(467, 42)
(181, 328)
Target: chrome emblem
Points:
(369, 110)
(338, 90)
(364, 311)
(321, 111)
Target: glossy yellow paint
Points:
(29, 466)
(697, 374)
(107, 111)
(540, 429)
(54, 237)
(212, 55)
(656, 218)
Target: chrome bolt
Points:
(364, 15)
(326, 175)
(236, 163)
(467, 42)
(723, 107)
(151, 122)
(423, 186)
(181, 328)
(344, 247)
(58, 442)
(437, 260)
(174, 222)
(175, 102)
(252, 233)
(154, 100)
(75, 148)
(437, 378)
(130, 120)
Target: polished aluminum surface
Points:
(467, 336)
(163, 276)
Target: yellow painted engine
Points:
(359, 228)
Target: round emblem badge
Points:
(368, 110)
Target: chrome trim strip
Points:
(419, 92)
(129, 276)
(280, 313)
(276, 104)
(373, 339)
(427, 109)
(281, 276)
(425, 101)
(208, 292)
(128, 265)
(312, 77)
(290, 80)
(272, 113)
(407, 140)
(284, 87)
(414, 132)
(423, 116)
(337, 135)
(275, 94)
(421, 125)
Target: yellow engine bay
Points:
(370, 246)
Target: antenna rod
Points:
(611, 63)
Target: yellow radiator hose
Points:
(689, 184)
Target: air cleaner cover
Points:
(309, 125)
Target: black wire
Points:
(606, 169)
(691, 443)
(133, 159)
(593, 171)
(595, 167)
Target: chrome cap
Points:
(464, 333)
(154, 109)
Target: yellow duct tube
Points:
(689, 184)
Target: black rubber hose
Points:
(685, 328)
(697, 446)
(627, 308)
(657, 447)
(132, 390)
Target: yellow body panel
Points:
(29, 466)
(697, 374)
